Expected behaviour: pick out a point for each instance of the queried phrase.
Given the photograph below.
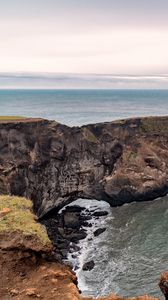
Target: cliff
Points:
(25, 252)
(54, 164)
(27, 270)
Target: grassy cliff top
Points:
(17, 219)
(7, 118)
(19, 119)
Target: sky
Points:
(109, 37)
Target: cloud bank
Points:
(81, 81)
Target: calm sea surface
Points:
(77, 107)
(130, 255)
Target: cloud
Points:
(81, 81)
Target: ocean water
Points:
(131, 254)
(78, 107)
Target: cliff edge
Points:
(25, 248)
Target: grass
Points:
(20, 218)
(154, 125)
(11, 118)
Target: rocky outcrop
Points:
(65, 230)
(53, 164)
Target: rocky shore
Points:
(68, 227)
(28, 268)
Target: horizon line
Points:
(82, 74)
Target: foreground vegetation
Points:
(16, 216)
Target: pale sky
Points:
(128, 37)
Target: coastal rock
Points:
(53, 164)
(74, 208)
(88, 266)
(76, 236)
(100, 213)
(66, 229)
(163, 284)
(71, 220)
(98, 231)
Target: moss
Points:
(89, 136)
(132, 155)
(154, 125)
(19, 218)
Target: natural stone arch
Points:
(54, 164)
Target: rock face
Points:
(53, 164)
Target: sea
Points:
(78, 107)
(133, 251)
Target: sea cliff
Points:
(53, 164)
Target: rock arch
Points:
(54, 164)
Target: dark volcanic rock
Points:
(75, 208)
(100, 213)
(53, 164)
(71, 220)
(85, 217)
(75, 248)
(99, 231)
(88, 266)
(65, 230)
(76, 236)
(86, 224)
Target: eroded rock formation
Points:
(53, 164)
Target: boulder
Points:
(99, 231)
(100, 213)
(88, 266)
